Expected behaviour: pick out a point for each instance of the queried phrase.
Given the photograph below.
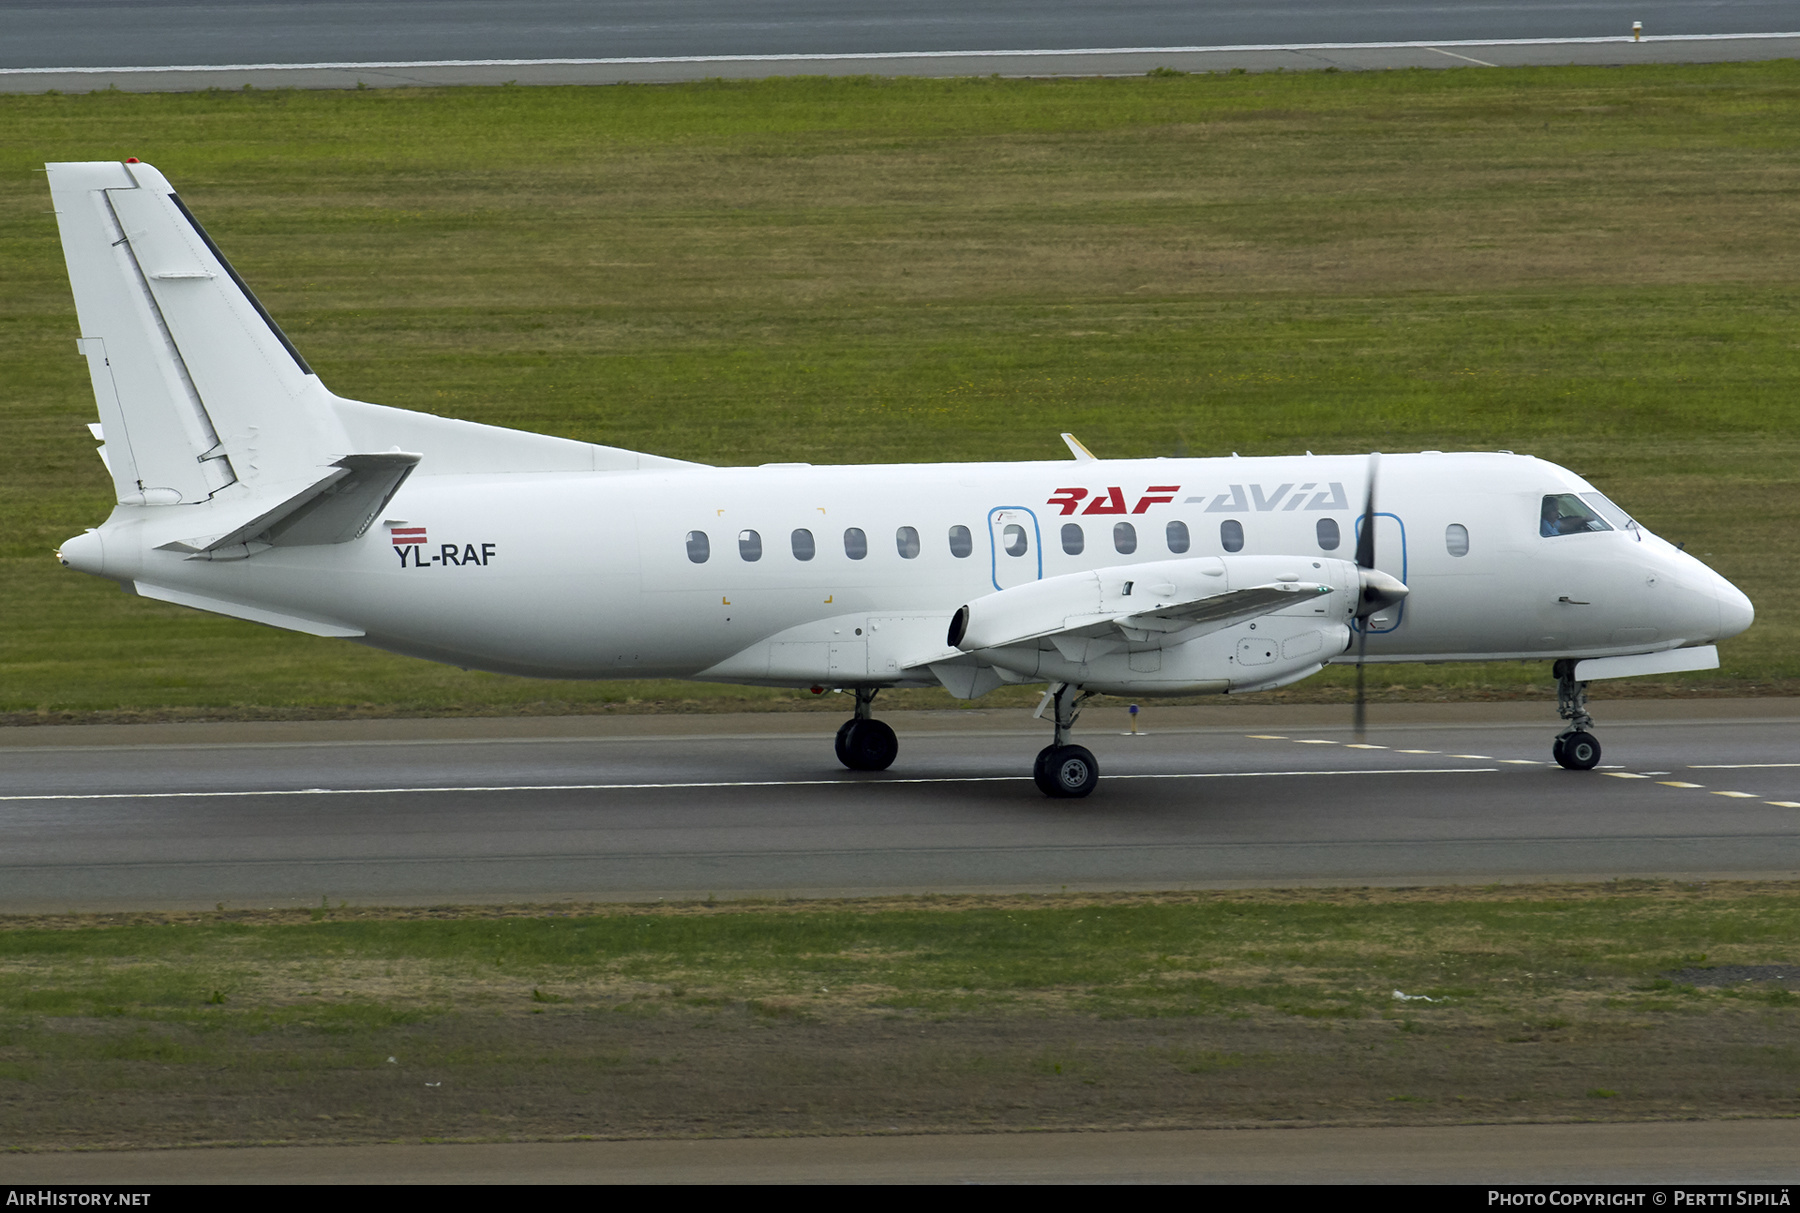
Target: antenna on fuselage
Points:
(1081, 453)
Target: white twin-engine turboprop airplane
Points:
(247, 488)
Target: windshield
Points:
(1607, 510)
(1567, 514)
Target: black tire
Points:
(1040, 770)
(1066, 772)
(1576, 751)
(867, 745)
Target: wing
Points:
(1160, 604)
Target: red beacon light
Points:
(131, 160)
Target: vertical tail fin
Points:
(197, 387)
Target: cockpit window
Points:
(1567, 514)
(1607, 510)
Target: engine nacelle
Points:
(1077, 601)
(1207, 624)
(1260, 656)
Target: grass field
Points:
(1556, 1003)
(1594, 265)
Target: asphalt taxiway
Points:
(176, 45)
(102, 32)
(630, 808)
(1684, 1152)
(1610, 50)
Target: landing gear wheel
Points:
(867, 745)
(1065, 772)
(1576, 751)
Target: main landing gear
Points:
(864, 743)
(1575, 748)
(1065, 771)
(1062, 770)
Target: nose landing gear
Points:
(1064, 771)
(1575, 748)
(864, 743)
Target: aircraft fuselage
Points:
(595, 576)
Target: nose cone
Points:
(1736, 614)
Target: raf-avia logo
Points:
(411, 545)
(1113, 500)
(1329, 496)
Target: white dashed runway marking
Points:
(1616, 774)
(876, 781)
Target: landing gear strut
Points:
(1065, 771)
(1575, 748)
(864, 743)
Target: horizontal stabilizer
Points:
(336, 508)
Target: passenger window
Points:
(750, 545)
(1329, 535)
(1124, 538)
(1178, 537)
(698, 547)
(803, 545)
(856, 544)
(1456, 539)
(1073, 540)
(906, 542)
(961, 542)
(1015, 544)
(1231, 535)
(1567, 514)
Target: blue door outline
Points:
(1037, 543)
(1400, 612)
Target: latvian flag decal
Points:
(408, 535)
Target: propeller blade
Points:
(1365, 535)
(1365, 560)
(1378, 588)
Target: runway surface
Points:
(155, 45)
(646, 807)
(120, 32)
(1728, 1152)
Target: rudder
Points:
(198, 389)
